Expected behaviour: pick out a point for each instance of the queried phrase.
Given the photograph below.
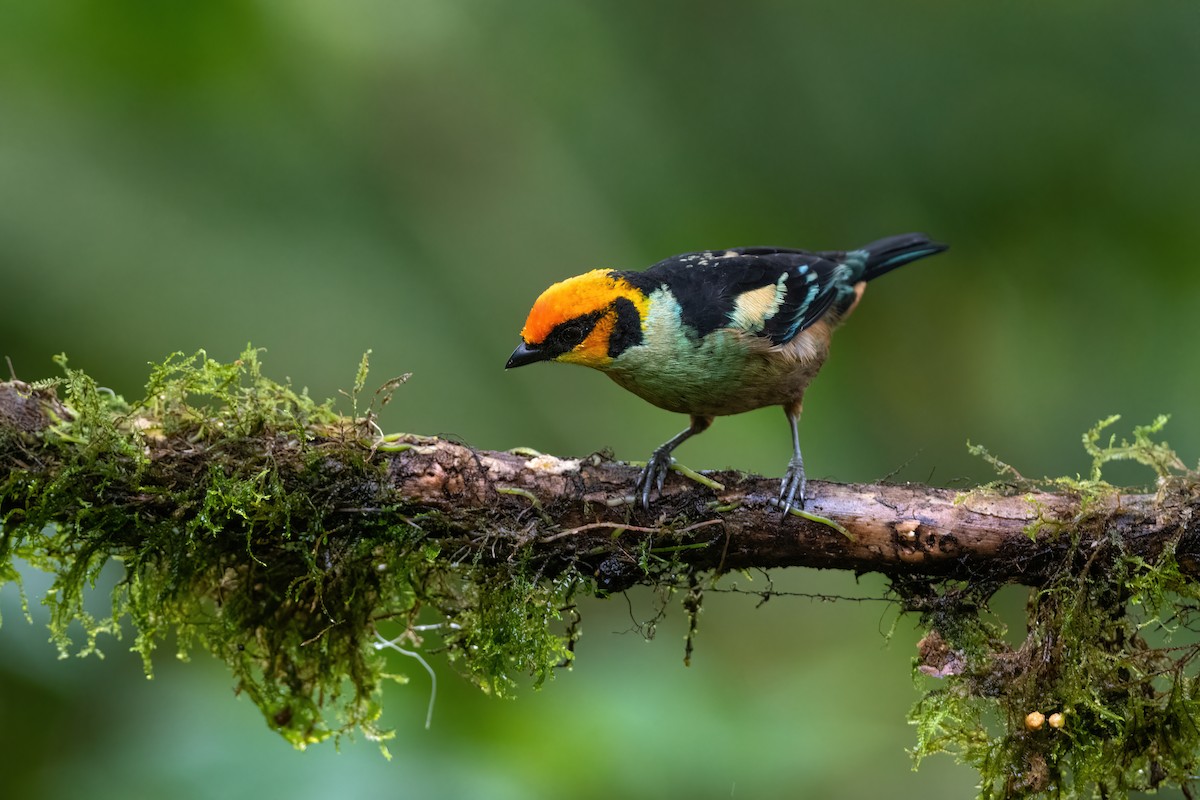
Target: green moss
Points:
(245, 547)
(1111, 647)
(507, 627)
(258, 525)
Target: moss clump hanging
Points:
(1103, 695)
(255, 523)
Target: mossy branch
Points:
(294, 543)
(525, 507)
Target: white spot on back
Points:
(752, 309)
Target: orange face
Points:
(573, 320)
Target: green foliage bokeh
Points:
(406, 176)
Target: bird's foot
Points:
(791, 498)
(653, 476)
(791, 488)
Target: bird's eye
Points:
(568, 335)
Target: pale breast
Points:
(726, 373)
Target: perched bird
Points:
(712, 333)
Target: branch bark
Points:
(494, 505)
(896, 529)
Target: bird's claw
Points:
(791, 488)
(653, 476)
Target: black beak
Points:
(524, 354)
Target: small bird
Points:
(712, 333)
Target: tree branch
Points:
(564, 511)
(293, 542)
(894, 529)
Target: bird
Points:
(712, 333)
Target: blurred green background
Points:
(320, 178)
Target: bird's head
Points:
(589, 319)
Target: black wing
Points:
(771, 292)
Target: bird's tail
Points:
(886, 254)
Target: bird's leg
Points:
(791, 488)
(655, 472)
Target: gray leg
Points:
(791, 489)
(655, 473)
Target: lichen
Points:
(1102, 697)
(272, 542)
